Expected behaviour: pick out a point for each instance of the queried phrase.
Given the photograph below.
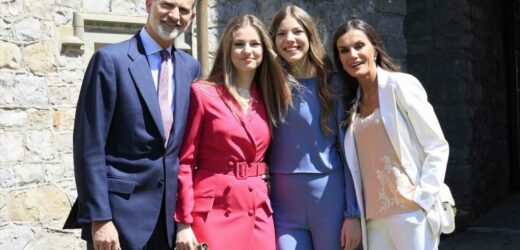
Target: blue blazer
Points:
(121, 162)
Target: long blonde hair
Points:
(269, 76)
(316, 56)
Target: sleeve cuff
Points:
(352, 212)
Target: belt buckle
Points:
(241, 170)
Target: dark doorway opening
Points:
(513, 62)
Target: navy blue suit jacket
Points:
(121, 163)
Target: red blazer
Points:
(218, 131)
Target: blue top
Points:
(299, 145)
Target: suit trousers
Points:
(308, 210)
(158, 240)
(404, 231)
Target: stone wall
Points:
(488, 94)
(386, 16)
(39, 85)
(456, 49)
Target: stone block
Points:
(49, 30)
(11, 8)
(63, 16)
(11, 147)
(7, 177)
(63, 119)
(454, 41)
(53, 172)
(10, 56)
(391, 6)
(125, 6)
(38, 204)
(446, 23)
(40, 146)
(5, 29)
(3, 208)
(28, 29)
(451, 66)
(40, 57)
(422, 48)
(39, 8)
(72, 76)
(39, 119)
(30, 91)
(390, 26)
(28, 173)
(13, 118)
(418, 30)
(69, 185)
(56, 239)
(74, 4)
(395, 45)
(7, 89)
(101, 5)
(416, 6)
(63, 142)
(15, 236)
(64, 95)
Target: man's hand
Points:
(186, 239)
(350, 233)
(105, 236)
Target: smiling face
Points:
(357, 55)
(168, 18)
(246, 50)
(291, 41)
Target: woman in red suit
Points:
(221, 194)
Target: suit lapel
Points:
(182, 83)
(141, 74)
(387, 106)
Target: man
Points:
(130, 121)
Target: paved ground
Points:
(499, 229)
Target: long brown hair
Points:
(316, 56)
(383, 59)
(269, 76)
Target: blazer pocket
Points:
(119, 185)
(267, 207)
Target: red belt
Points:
(241, 170)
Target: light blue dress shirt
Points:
(152, 50)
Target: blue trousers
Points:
(308, 210)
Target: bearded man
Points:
(130, 121)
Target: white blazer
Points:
(418, 142)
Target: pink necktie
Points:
(164, 104)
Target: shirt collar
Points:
(149, 44)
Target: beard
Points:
(164, 31)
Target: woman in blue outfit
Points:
(313, 195)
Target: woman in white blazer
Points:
(393, 143)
